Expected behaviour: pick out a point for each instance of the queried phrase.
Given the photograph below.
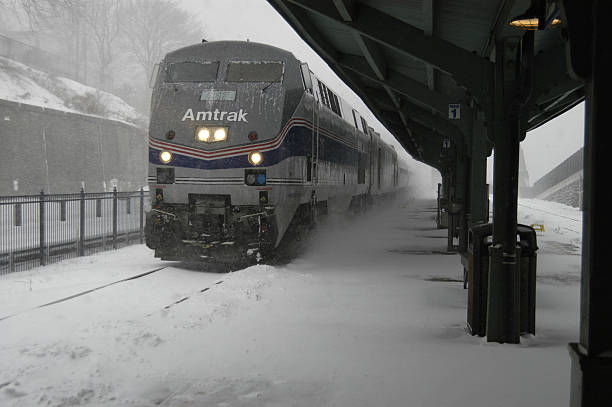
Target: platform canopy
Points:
(418, 63)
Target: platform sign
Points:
(454, 111)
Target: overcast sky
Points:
(544, 148)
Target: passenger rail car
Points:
(246, 144)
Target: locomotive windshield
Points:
(254, 72)
(192, 72)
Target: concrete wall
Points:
(58, 152)
(568, 192)
(564, 183)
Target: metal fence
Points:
(36, 230)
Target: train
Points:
(248, 148)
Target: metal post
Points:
(479, 193)
(12, 262)
(439, 212)
(503, 322)
(460, 200)
(141, 215)
(115, 214)
(82, 224)
(591, 374)
(512, 90)
(41, 221)
(446, 204)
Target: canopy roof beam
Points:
(497, 28)
(402, 84)
(468, 69)
(428, 30)
(346, 8)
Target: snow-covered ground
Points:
(369, 315)
(24, 84)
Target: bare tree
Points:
(102, 18)
(63, 19)
(153, 27)
(112, 38)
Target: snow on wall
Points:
(23, 84)
(59, 135)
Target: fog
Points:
(371, 311)
(113, 45)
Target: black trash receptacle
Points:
(528, 244)
(479, 240)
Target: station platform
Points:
(373, 313)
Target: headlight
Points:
(165, 156)
(211, 134)
(220, 134)
(203, 134)
(255, 157)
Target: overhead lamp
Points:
(530, 19)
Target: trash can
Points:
(477, 264)
(479, 240)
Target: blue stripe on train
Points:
(298, 142)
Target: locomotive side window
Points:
(306, 77)
(254, 72)
(330, 96)
(334, 103)
(355, 119)
(323, 93)
(192, 72)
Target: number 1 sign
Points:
(454, 111)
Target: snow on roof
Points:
(23, 84)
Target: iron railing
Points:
(36, 230)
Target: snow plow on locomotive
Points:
(246, 144)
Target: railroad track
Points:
(79, 294)
(550, 213)
(555, 214)
(123, 280)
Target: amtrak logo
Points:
(239, 116)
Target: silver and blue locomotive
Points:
(246, 147)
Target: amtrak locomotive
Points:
(246, 147)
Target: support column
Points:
(478, 175)
(460, 198)
(511, 92)
(503, 323)
(592, 357)
(447, 187)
